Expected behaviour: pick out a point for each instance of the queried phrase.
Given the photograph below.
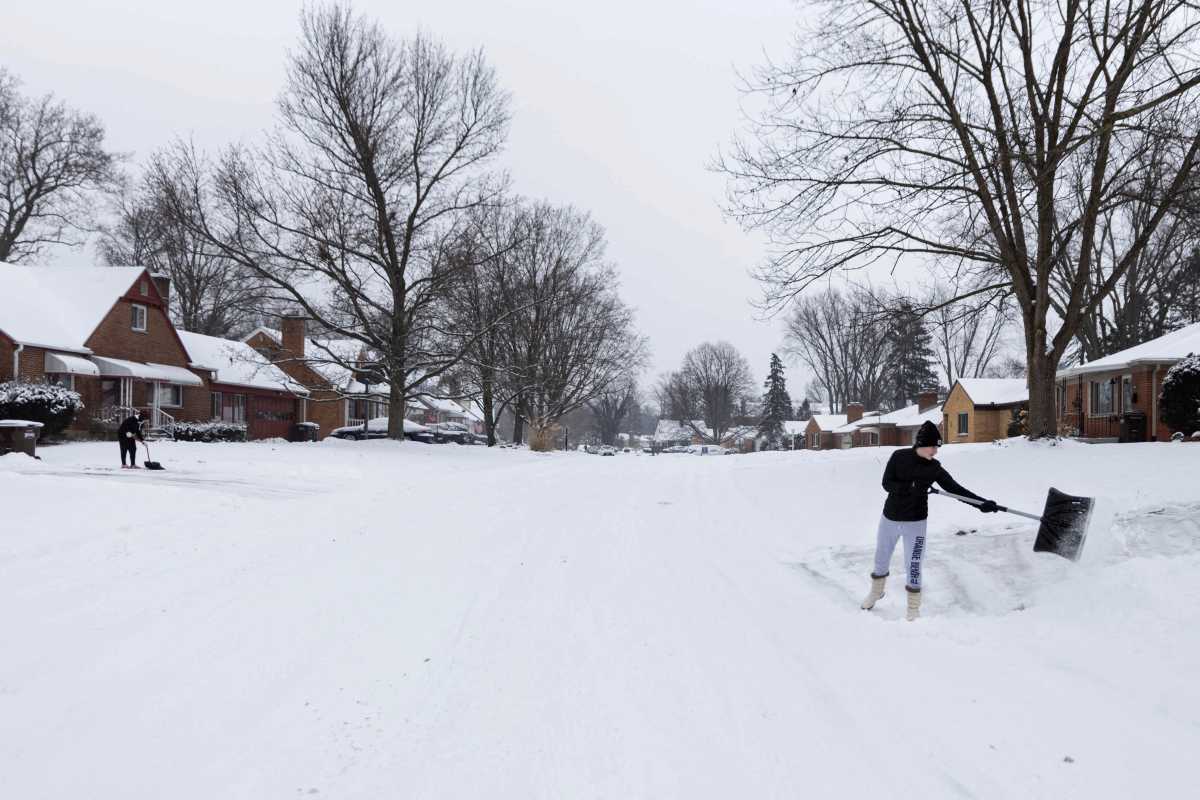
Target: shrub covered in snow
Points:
(210, 431)
(53, 406)
(1179, 403)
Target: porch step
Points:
(157, 434)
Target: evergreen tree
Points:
(804, 411)
(910, 363)
(777, 405)
(1179, 402)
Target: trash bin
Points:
(1133, 427)
(19, 436)
(305, 432)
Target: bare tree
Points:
(569, 335)
(349, 210)
(211, 293)
(711, 385)
(958, 132)
(967, 334)
(610, 407)
(842, 339)
(52, 165)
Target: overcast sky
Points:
(618, 107)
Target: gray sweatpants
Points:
(890, 531)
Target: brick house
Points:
(337, 398)
(980, 409)
(104, 332)
(818, 431)
(1116, 397)
(246, 388)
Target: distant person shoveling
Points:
(128, 435)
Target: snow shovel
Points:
(151, 464)
(1064, 521)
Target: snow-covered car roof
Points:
(380, 424)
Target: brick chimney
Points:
(927, 399)
(854, 412)
(162, 282)
(293, 326)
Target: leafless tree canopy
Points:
(992, 137)
(842, 338)
(211, 293)
(610, 407)
(350, 209)
(52, 165)
(711, 385)
(968, 335)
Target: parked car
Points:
(706, 450)
(451, 432)
(377, 429)
(608, 450)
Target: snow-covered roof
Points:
(870, 418)
(1166, 349)
(829, 422)
(669, 430)
(912, 416)
(444, 405)
(236, 363)
(60, 307)
(995, 391)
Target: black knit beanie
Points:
(929, 435)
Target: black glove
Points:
(989, 507)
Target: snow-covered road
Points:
(371, 620)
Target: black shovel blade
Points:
(1064, 525)
(154, 465)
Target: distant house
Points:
(245, 387)
(980, 409)
(338, 395)
(818, 430)
(1116, 397)
(104, 332)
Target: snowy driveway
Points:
(369, 620)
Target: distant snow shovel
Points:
(151, 464)
(1064, 522)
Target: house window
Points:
(63, 379)
(1102, 397)
(216, 405)
(964, 424)
(170, 395)
(145, 289)
(235, 408)
(139, 317)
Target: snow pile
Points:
(375, 619)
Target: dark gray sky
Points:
(618, 107)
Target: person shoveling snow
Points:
(907, 478)
(128, 435)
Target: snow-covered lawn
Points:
(371, 620)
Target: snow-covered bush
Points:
(215, 431)
(1179, 402)
(53, 406)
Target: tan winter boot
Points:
(875, 593)
(914, 604)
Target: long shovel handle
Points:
(975, 502)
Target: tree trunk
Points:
(487, 404)
(519, 422)
(1043, 418)
(396, 410)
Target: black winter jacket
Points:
(907, 478)
(130, 425)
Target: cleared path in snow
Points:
(369, 621)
